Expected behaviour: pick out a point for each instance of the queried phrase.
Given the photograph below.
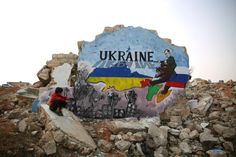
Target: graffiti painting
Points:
(131, 72)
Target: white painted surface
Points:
(71, 125)
(61, 75)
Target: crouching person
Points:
(57, 101)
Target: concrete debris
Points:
(49, 75)
(203, 123)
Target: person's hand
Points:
(149, 83)
(71, 99)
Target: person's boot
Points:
(58, 112)
(165, 90)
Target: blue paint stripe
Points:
(116, 72)
(179, 78)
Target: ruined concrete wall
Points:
(119, 66)
(57, 71)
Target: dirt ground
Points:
(12, 141)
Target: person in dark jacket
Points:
(167, 70)
(57, 101)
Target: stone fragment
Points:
(22, 125)
(117, 126)
(123, 145)
(15, 114)
(50, 147)
(44, 75)
(161, 152)
(234, 88)
(175, 150)
(183, 135)
(150, 142)
(58, 136)
(137, 137)
(113, 137)
(194, 134)
(214, 115)
(228, 146)
(206, 137)
(139, 149)
(159, 135)
(203, 125)
(216, 153)
(226, 132)
(68, 124)
(230, 109)
(174, 132)
(173, 124)
(147, 122)
(192, 104)
(104, 145)
(185, 148)
(39, 152)
(204, 104)
(34, 133)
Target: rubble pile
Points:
(201, 123)
(45, 74)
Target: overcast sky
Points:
(32, 30)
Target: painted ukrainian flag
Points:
(119, 78)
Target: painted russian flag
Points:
(180, 78)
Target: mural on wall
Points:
(129, 72)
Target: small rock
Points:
(174, 132)
(139, 149)
(183, 135)
(34, 133)
(198, 127)
(30, 149)
(119, 137)
(214, 115)
(159, 135)
(173, 140)
(15, 121)
(58, 136)
(173, 124)
(22, 125)
(150, 142)
(230, 109)
(175, 150)
(204, 104)
(72, 145)
(160, 152)
(228, 146)
(234, 88)
(137, 137)
(192, 104)
(226, 103)
(185, 148)
(203, 125)
(50, 147)
(112, 137)
(216, 153)
(207, 137)
(104, 145)
(85, 151)
(226, 132)
(177, 119)
(39, 151)
(123, 145)
(117, 126)
(194, 134)
(14, 114)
